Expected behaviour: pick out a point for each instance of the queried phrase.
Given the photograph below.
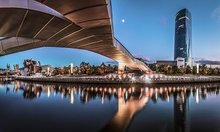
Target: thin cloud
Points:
(216, 14)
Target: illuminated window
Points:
(177, 14)
(180, 26)
(183, 18)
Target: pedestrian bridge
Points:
(81, 24)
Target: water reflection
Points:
(131, 99)
(90, 92)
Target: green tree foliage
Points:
(194, 70)
(174, 70)
(188, 70)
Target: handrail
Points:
(121, 47)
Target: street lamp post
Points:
(197, 68)
(48, 71)
(71, 68)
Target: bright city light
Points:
(133, 79)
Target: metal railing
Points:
(121, 47)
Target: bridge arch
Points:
(30, 24)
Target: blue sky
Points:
(147, 31)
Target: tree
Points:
(91, 71)
(161, 69)
(166, 68)
(188, 69)
(216, 71)
(203, 70)
(194, 70)
(66, 70)
(153, 67)
(181, 70)
(84, 67)
(170, 70)
(175, 70)
(55, 72)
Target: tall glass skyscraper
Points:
(183, 36)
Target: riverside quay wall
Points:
(133, 80)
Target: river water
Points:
(48, 107)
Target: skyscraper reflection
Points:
(181, 110)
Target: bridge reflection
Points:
(131, 99)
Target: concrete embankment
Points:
(102, 80)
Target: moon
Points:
(123, 20)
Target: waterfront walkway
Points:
(133, 80)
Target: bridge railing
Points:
(140, 63)
(116, 42)
(119, 46)
(142, 66)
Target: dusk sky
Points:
(146, 29)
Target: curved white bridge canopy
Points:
(82, 24)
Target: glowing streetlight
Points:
(71, 68)
(133, 79)
(197, 68)
(48, 70)
(147, 80)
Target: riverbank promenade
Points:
(117, 80)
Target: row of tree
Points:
(174, 70)
(87, 69)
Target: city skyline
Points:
(133, 27)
